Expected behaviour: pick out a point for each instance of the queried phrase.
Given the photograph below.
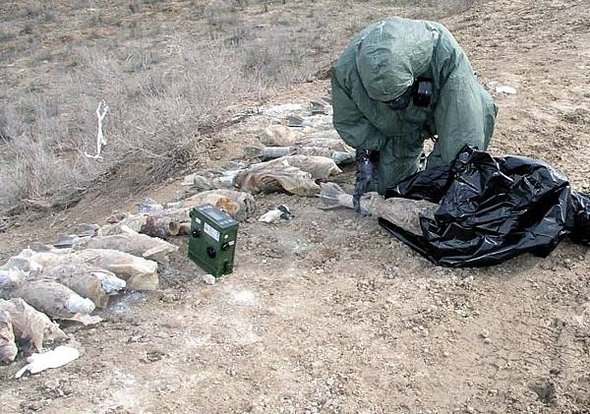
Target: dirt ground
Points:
(326, 313)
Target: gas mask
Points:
(420, 92)
(402, 101)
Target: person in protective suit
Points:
(398, 83)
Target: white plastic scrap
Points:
(56, 358)
(276, 214)
(496, 87)
(506, 90)
(271, 216)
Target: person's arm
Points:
(459, 118)
(356, 131)
(350, 123)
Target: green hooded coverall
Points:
(379, 65)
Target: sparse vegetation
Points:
(166, 79)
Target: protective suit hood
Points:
(392, 54)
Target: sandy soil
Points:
(327, 314)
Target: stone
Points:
(209, 279)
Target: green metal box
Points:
(212, 241)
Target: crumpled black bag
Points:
(492, 209)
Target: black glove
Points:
(366, 170)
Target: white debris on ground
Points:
(209, 279)
(506, 90)
(56, 358)
(503, 90)
(281, 212)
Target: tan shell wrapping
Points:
(84, 279)
(29, 324)
(8, 349)
(139, 273)
(238, 204)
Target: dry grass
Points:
(152, 113)
(168, 71)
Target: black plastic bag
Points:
(492, 209)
